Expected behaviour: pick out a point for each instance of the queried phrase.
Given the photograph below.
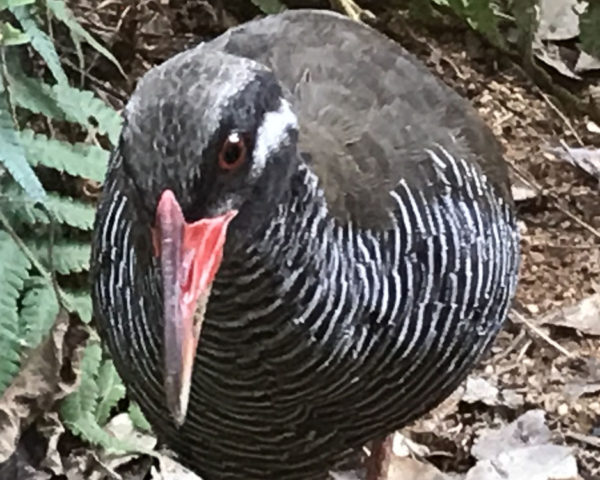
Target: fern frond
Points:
(39, 308)
(14, 270)
(63, 209)
(11, 36)
(81, 105)
(4, 4)
(41, 42)
(31, 93)
(62, 12)
(13, 156)
(137, 417)
(77, 159)
(63, 102)
(83, 401)
(68, 256)
(80, 303)
(110, 391)
(269, 6)
(98, 392)
(87, 428)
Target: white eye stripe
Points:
(272, 132)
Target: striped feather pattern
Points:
(319, 336)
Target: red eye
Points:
(233, 152)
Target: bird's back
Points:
(367, 108)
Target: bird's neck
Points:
(296, 257)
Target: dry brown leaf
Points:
(522, 451)
(558, 19)
(587, 63)
(48, 375)
(538, 462)
(51, 428)
(583, 316)
(529, 429)
(522, 192)
(479, 389)
(587, 159)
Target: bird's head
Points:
(209, 143)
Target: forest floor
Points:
(547, 358)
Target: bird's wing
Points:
(368, 109)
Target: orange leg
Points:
(378, 462)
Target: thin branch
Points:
(540, 333)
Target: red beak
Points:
(190, 255)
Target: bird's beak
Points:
(190, 255)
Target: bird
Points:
(305, 241)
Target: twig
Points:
(562, 116)
(96, 81)
(588, 439)
(540, 333)
(512, 347)
(556, 200)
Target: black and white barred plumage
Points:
(371, 265)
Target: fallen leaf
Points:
(551, 55)
(538, 462)
(522, 451)
(48, 375)
(529, 429)
(479, 389)
(587, 159)
(584, 316)
(52, 429)
(403, 446)
(558, 19)
(586, 63)
(122, 428)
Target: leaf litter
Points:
(528, 411)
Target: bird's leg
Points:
(352, 10)
(379, 461)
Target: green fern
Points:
(80, 303)
(28, 300)
(62, 13)
(13, 274)
(4, 4)
(111, 390)
(63, 209)
(76, 159)
(63, 102)
(12, 154)
(269, 6)
(138, 418)
(39, 308)
(68, 256)
(85, 398)
(87, 410)
(11, 36)
(41, 42)
(31, 93)
(81, 105)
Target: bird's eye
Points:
(233, 152)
